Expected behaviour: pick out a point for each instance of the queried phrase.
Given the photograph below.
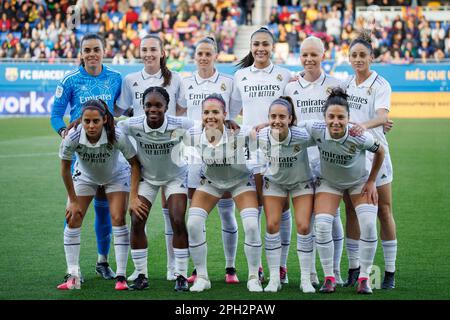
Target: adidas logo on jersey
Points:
(319, 140)
(135, 84)
(138, 135)
(383, 176)
(191, 87)
(295, 92)
(307, 186)
(244, 78)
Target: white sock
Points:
(324, 242)
(229, 231)
(390, 254)
(338, 240)
(304, 253)
(367, 219)
(121, 246)
(260, 209)
(72, 238)
(273, 253)
(352, 247)
(139, 257)
(285, 233)
(252, 241)
(197, 239)
(181, 261)
(314, 252)
(169, 239)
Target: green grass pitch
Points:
(32, 199)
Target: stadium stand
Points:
(402, 32)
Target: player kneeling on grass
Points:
(158, 137)
(288, 175)
(97, 144)
(343, 168)
(223, 155)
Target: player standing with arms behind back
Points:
(92, 80)
(257, 84)
(370, 100)
(205, 81)
(309, 94)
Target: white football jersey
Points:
(134, 85)
(158, 150)
(342, 161)
(195, 89)
(256, 89)
(309, 99)
(287, 161)
(99, 162)
(365, 99)
(224, 164)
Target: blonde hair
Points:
(316, 42)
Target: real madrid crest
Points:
(266, 184)
(369, 91)
(329, 90)
(279, 77)
(352, 148)
(109, 146)
(297, 148)
(173, 135)
(223, 87)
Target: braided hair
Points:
(159, 90)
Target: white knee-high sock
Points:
(72, 238)
(139, 257)
(390, 254)
(121, 246)
(285, 233)
(304, 252)
(197, 239)
(314, 252)
(324, 242)
(367, 219)
(338, 240)
(181, 261)
(352, 247)
(169, 239)
(273, 253)
(252, 241)
(229, 231)
(260, 209)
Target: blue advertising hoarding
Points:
(28, 88)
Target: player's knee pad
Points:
(367, 218)
(323, 225)
(250, 225)
(196, 226)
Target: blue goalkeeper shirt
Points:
(77, 87)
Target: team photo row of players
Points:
(181, 136)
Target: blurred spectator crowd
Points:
(39, 29)
(407, 38)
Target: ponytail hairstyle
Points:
(217, 97)
(287, 102)
(209, 40)
(167, 75)
(337, 96)
(248, 60)
(364, 38)
(90, 36)
(159, 90)
(100, 106)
